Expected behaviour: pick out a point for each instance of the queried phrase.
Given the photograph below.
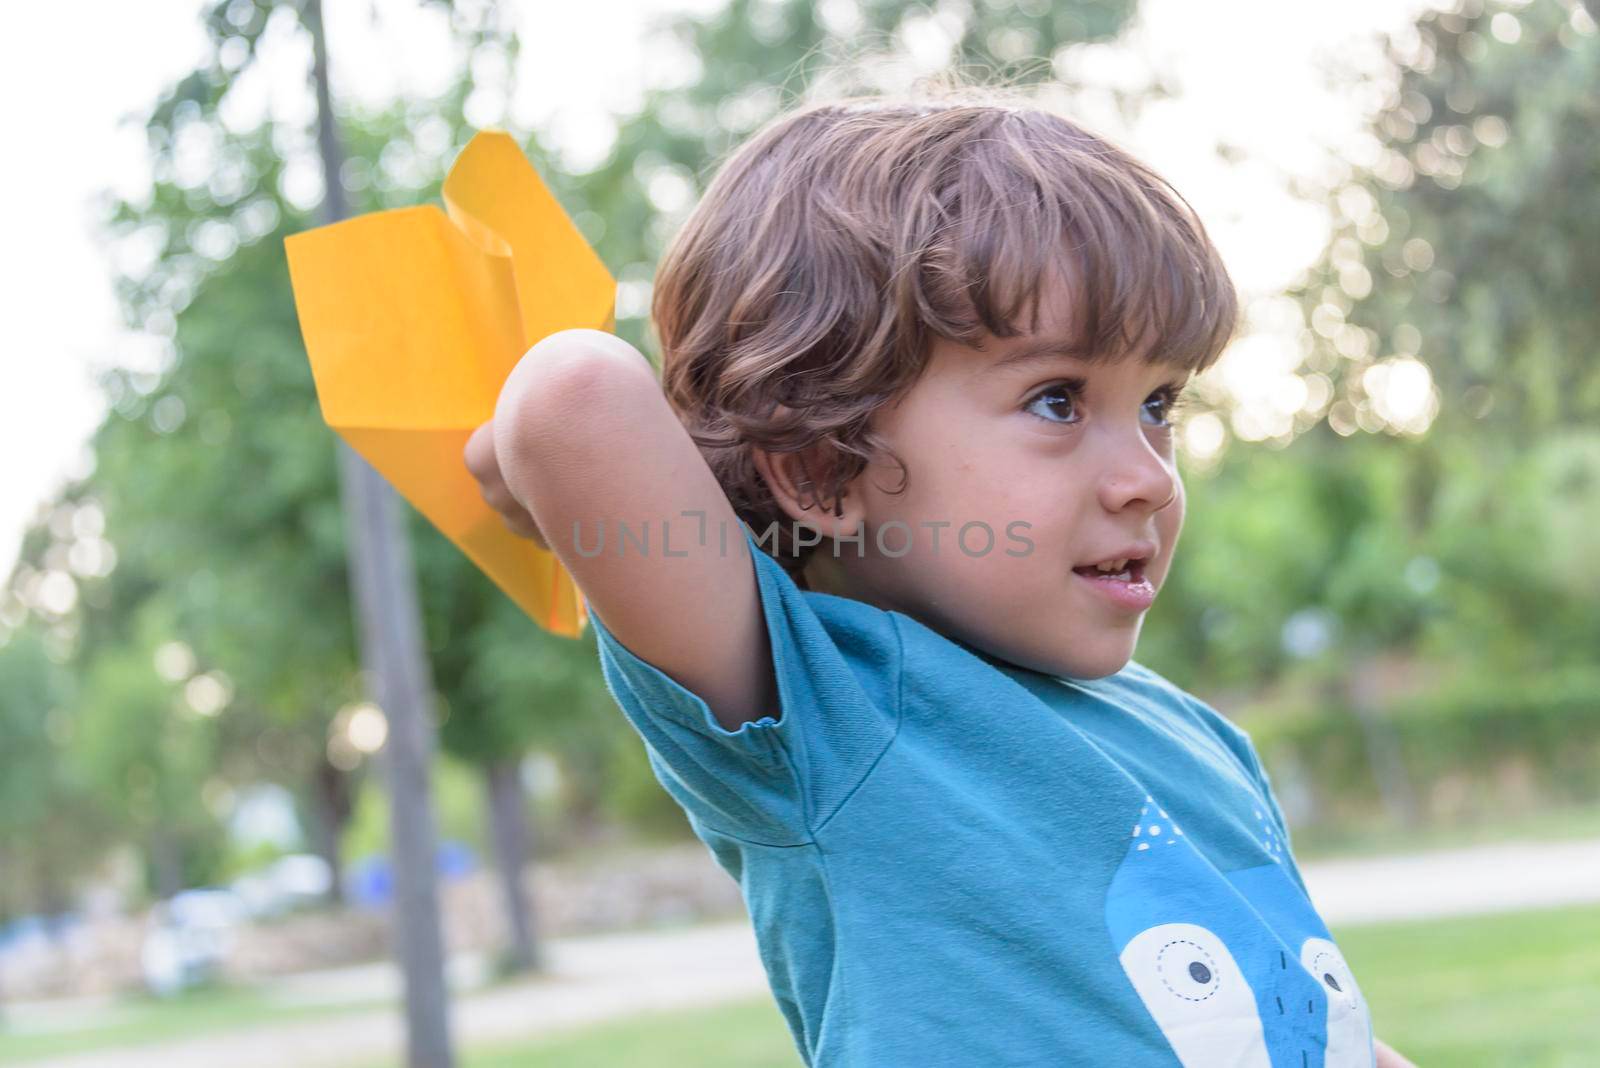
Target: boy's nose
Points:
(1136, 475)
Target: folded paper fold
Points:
(413, 319)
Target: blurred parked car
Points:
(296, 881)
(189, 939)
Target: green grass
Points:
(144, 1020)
(749, 1034)
(1522, 989)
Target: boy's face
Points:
(1076, 459)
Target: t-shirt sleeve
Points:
(1246, 749)
(774, 780)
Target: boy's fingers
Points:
(520, 525)
(498, 496)
(479, 453)
(526, 528)
(479, 456)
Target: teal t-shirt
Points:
(950, 860)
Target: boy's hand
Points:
(1388, 1058)
(485, 467)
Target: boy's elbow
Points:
(566, 385)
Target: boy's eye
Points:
(1056, 404)
(1164, 403)
(1059, 404)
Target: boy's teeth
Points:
(1113, 570)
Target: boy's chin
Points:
(1077, 658)
(1096, 663)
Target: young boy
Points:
(867, 574)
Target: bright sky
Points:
(1248, 71)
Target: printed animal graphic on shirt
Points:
(1235, 968)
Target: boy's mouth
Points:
(1121, 579)
(1125, 565)
(1122, 570)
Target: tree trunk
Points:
(509, 832)
(166, 863)
(6, 910)
(393, 655)
(331, 808)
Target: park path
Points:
(590, 980)
(597, 978)
(1456, 882)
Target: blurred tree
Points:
(51, 830)
(1441, 505)
(118, 770)
(1455, 460)
(1454, 301)
(242, 502)
(147, 747)
(218, 492)
(1462, 244)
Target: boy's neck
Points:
(824, 573)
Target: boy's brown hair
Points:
(803, 291)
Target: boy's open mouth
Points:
(1120, 579)
(1121, 570)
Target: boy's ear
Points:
(798, 481)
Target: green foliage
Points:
(215, 475)
(238, 860)
(458, 805)
(147, 754)
(51, 827)
(1466, 245)
(34, 697)
(1481, 228)
(1477, 748)
(1280, 532)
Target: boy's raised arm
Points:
(583, 435)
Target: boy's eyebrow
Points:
(1051, 351)
(1047, 350)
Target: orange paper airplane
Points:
(413, 319)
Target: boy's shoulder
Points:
(1139, 678)
(1142, 682)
